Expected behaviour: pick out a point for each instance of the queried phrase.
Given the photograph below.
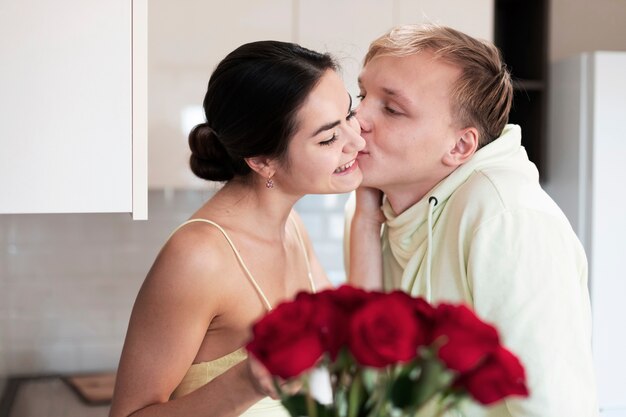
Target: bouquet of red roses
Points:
(382, 354)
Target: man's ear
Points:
(262, 165)
(464, 148)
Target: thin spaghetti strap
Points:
(236, 252)
(306, 256)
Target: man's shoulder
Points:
(496, 190)
(509, 188)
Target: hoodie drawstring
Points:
(432, 202)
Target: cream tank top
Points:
(202, 373)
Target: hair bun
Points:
(209, 159)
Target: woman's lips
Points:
(347, 168)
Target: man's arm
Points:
(364, 259)
(527, 274)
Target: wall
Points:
(4, 316)
(186, 43)
(70, 282)
(3, 367)
(67, 282)
(583, 26)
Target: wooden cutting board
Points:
(95, 389)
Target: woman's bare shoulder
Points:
(193, 261)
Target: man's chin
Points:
(371, 183)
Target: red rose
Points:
(334, 311)
(425, 314)
(348, 298)
(423, 310)
(465, 339)
(384, 331)
(499, 376)
(330, 321)
(286, 340)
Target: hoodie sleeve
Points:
(528, 275)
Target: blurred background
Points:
(68, 281)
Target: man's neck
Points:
(401, 200)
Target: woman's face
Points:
(321, 156)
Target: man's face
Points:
(406, 121)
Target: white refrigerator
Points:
(586, 176)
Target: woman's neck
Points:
(253, 208)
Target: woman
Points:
(279, 126)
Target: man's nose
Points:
(361, 115)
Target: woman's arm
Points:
(365, 252)
(171, 315)
(228, 395)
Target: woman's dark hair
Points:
(251, 104)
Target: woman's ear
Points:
(262, 165)
(464, 148)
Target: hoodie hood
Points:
(407, 232)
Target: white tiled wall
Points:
(68, 281)
(323, 217)
(3, 368)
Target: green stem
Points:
(451, 405)
(311, 407)
(383, 394)
(354, 396)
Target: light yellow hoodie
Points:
(500, 244)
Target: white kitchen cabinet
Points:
(73, 106)
(585, 176)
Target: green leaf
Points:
(430, 381)
(371, 378)
(296, 405)
(412, 390)
(402, 392)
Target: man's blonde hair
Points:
(482, 95)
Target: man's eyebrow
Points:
(391, 92)
(397, 94)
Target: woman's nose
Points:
(355, 142)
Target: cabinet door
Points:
(66, 106)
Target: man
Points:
(463, 216)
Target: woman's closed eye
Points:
(330, 141)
